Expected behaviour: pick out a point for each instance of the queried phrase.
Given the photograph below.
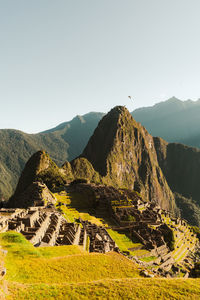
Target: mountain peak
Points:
(123, 152)
(105, 135)
(39, 161)
(118, 111)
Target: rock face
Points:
(41, 168)
(37, 163)
(36, 194)
(181, 167)
(123, 153)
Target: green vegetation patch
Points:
(61, 251)
(17, 246)
(75, 205)
(66, 264)
(126, 244)
(148, 259)
(82, 168)
(73, 268)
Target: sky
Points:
(60, 58)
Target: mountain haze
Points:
(63, 142)
(174, 120)
(181, 167)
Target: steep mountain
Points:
(16, 147)
(40, 167)
(123, 153)
(181, 167)
(173, 120)
(77, 132)
(64, 142)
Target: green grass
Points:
(68, 272)
(122, 239)
(132, 289)
(148, 259)
(26, 264)
(59, 251)
(77, 207)
(125, 243)
(88, 267)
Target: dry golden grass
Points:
(126, 288)
(67, 272)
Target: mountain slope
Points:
(77, 132)
(64, 142)
(16, 148)
(181, 167)
(122, 151)
(173, 120)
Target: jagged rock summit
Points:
(120, 153)
(123, 153)
(41, 168)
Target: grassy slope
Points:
(127, 288)
(28, 266)
(79, 275)
(76, 204)
(69, 272)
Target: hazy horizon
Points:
(66, 58)
(93, 111)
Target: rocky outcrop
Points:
(41, 168)
(67, 171)
(36, 194)
(123, 152)
(38, 162)
(82, 168)
(181, 167)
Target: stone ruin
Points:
(98, 238)
(44, 226)
(36, 194)
(143, 220)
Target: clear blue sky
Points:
(60, 58)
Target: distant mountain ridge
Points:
(121, 153)
(173, 120)
(64, 142)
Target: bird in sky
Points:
(129, 97)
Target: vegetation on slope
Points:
(173, 120)
(65, 264)
(181, 167)
(74, 274)
(189, 209)
(65, 142)
(122, 151)
(40, 167)
(82, 168)
(131, 288)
